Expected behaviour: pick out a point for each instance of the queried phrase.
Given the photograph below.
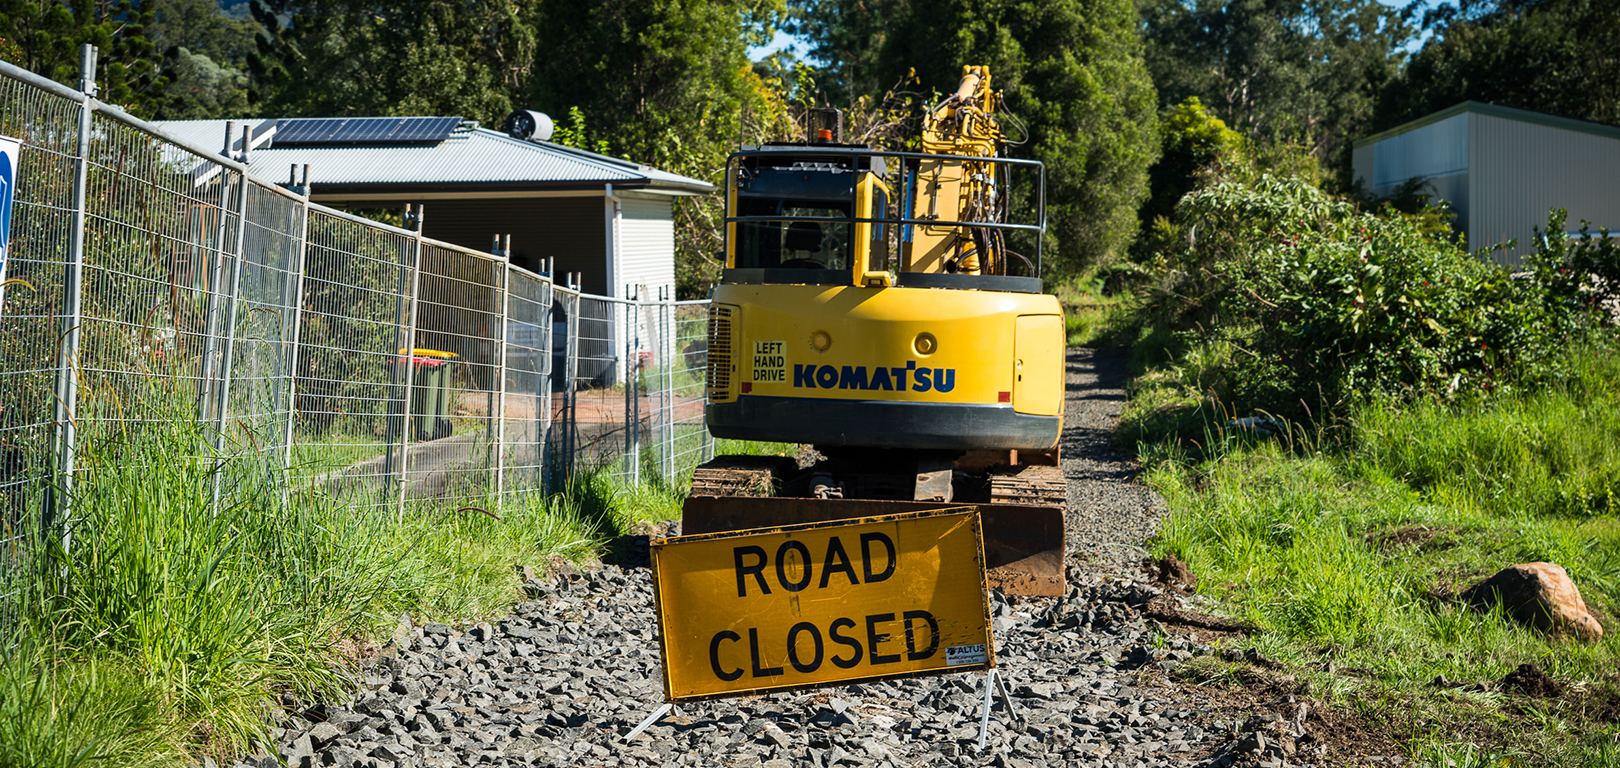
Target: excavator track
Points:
(751, 476)
(1036, 486)
(1022, 518)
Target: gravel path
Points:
(562, 679)
(1109, 516)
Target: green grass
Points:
(169, 627)
(1092, 318)
(1288, 533)
(64, 713)
(318, 454)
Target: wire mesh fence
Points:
(165, 285)
(43, 220)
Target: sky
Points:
(782, 40)
(801, 47)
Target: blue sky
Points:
(782, 40)
(801, 47)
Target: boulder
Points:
(1539, 595)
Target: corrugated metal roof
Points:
(471, 159)
(1495, 110)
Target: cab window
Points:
(793, 244)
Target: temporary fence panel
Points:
(32, 315)
(600, 405)
(167, 293)
(565, 365)
(688, 441)
(526, 393)
(257, 364)
(356, 305)
(456, 366)
(672, 368)
(159, 263)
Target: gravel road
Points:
(562, 679)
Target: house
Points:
(609, 220)
(1502, 169)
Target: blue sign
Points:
(10, 152)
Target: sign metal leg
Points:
(984, 719)
(994, 682)
(1006, 694)
(663, 709)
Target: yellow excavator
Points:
(885, 308)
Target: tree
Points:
(1071, 70)
(47, 39)
(1556, 56)
(667, 83)
(353, 57)
(1194, 141)
(204, 58)
(200, 89)
(1306, 73)
(848, 38)
(201, 27)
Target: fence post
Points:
(500, 369)
(59, 507)
(670, 332)
(708, 439)
(570, 383)
(542, 395)
(632, 403)
(660, 414)
(295, 282)
(655, 330)
(206, 394)
(408, 354)
(224, 408)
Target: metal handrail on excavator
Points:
(906, 180)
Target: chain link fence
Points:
(163, 284)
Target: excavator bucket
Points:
(1023, 544)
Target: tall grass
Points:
(171, 626)
(1093, 316)
(1294, 534)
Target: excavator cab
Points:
(875, 306)
(807, 212)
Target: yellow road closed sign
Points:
(821, 603)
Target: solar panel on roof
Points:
(426, 128)
(364, 130)
(306, 131)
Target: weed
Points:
(170, 625)
(1360, 535)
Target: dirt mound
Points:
(1602, 705)
(1290, 729)
(1423, 537)
(1170, 573)
(1531, 681)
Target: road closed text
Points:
(821, 603)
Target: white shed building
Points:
(1502, 169)
(609, 220)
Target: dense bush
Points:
(1324, 304)
(1581, 274)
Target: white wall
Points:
(647, 249)
(1502, 170)
(647, 259)
(1433, 151)
(1523, 170)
